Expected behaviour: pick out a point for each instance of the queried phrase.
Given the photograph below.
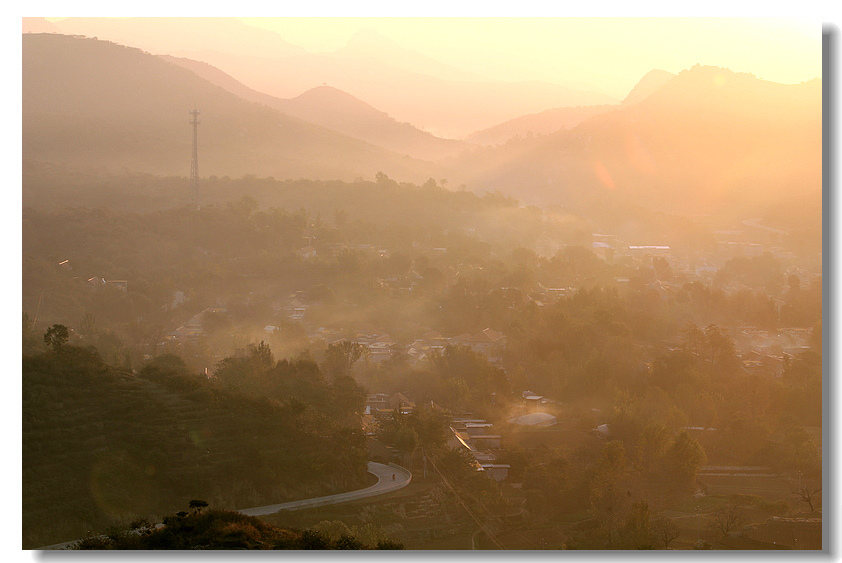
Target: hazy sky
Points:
(610, 53)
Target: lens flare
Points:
(603, 175)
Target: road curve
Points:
(385, 484)
(389, 478)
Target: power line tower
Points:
(194, 162)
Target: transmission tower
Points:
(194, 162)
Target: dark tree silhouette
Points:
(56, 337)
(806, 492)
(728, 518)
(667, 530)
(198, 505)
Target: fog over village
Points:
(422, 284)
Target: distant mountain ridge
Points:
(552, 120)
(430, 95)
(158, 35)
(331, 108)
(543, 123)
(99, 104)
(648, 85)
(709, 140)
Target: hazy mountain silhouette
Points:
(446, 108)
(408, 86)
(39, 25)
(368, 44)
(555, 119)
(98, 104)
(708, 140)
(647, 85)
(173, 35)
(543, 123)
(339, 111)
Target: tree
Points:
(728, 518)
(684, 459)
(637, 528)
(606, 493)
(198, 505)
(666, 530)
(341, 357)
(806, 492)
(56, 337)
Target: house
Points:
(534, 420)
(400, 400)
(379, 347)
(603, 250)
(603, 431)
(428, 345)
(486, 441)
(497, 471)
(477, 428)
(295, 309)
(376, 401)
(488, 343)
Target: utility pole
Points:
(194, 162)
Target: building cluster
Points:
(766, 353)
(478, 438)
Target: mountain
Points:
(543, 123)
(411, 88)
(339, 111)
(649, 84)
(170, 35)
(555, 119)
(377, 48)
(707, 141)
(445, 108)
(95, 104)
(39, 25)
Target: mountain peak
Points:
(325, 96)
(650, 82)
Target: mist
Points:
(287, 293)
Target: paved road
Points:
(385, 484)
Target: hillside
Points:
(104, 447)
(410, 87)
(171, 34)
(648, 85)
(96, 104)
(543, 123)
(707, 141)
(339, 111)
(555, 119)
(446, 108)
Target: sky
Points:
(609, 53)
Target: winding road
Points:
(385, 484)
